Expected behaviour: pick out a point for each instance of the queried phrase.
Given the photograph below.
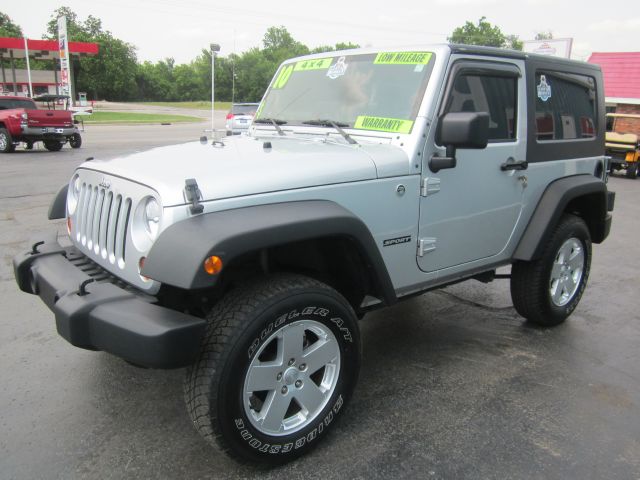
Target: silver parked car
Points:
(240, 117)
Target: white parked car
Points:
(240, 117)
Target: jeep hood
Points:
(248, 166)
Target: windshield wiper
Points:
(276, 123)
(337, 125)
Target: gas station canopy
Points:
(43, 49)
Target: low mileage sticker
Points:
(402, 58)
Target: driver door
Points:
(468, 213)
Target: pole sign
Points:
(556, 47)
(63, 47)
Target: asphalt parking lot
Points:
(453, 384)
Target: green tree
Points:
(109, 75)
(338, 46)
(155, 81)
(8, 28)
(484, 34)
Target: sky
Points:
(180, 29)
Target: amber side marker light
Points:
(213, 265)
(69, 225)
(140, 267)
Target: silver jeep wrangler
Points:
(367, 176)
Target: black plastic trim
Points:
(177, 256)
(552, 205)
(58, 208)
(103, 316)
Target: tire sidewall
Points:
(75, 141)
(573, 229)
(52, 145)
(9, 141)
(321, 306)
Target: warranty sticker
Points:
(402, 58)
(394, 125)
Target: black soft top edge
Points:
(516, 54)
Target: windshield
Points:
(11, 103)
(379, 91)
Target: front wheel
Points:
(632, 170)
(52, 145)
(75, 140)
(278, 363)
(545, 291)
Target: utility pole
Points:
(215, 48)
(26, 54)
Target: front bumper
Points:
(97, 315)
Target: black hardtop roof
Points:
(516, 54)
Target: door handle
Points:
(511, 164)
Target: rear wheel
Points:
(632, 170)
(6, 142)
(53, 145)
(28, 145)
(545, 291)
(75, 140)
(279, 360)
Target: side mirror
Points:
(460, 130)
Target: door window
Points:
(495, 95)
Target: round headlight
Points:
(73, 194)
(151, 216)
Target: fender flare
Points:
(58, 208)
(553, 204)
(176, 258)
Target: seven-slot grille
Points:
(101, 222)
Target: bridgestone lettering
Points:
(298, 443)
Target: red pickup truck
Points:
(22, 121)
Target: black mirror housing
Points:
(464, 130)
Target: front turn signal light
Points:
(213, 265)
(140, 267)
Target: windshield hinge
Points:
(193, 195)
(430, 185)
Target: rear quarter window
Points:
(565, 106)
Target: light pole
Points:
(215, 48)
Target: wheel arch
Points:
(299, 236)
(58, 207)
(582, 195)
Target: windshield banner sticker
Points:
(283, 76)
(544, 89)
(402, 58)
(319, 64)
(337, 69)
(394, 125)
